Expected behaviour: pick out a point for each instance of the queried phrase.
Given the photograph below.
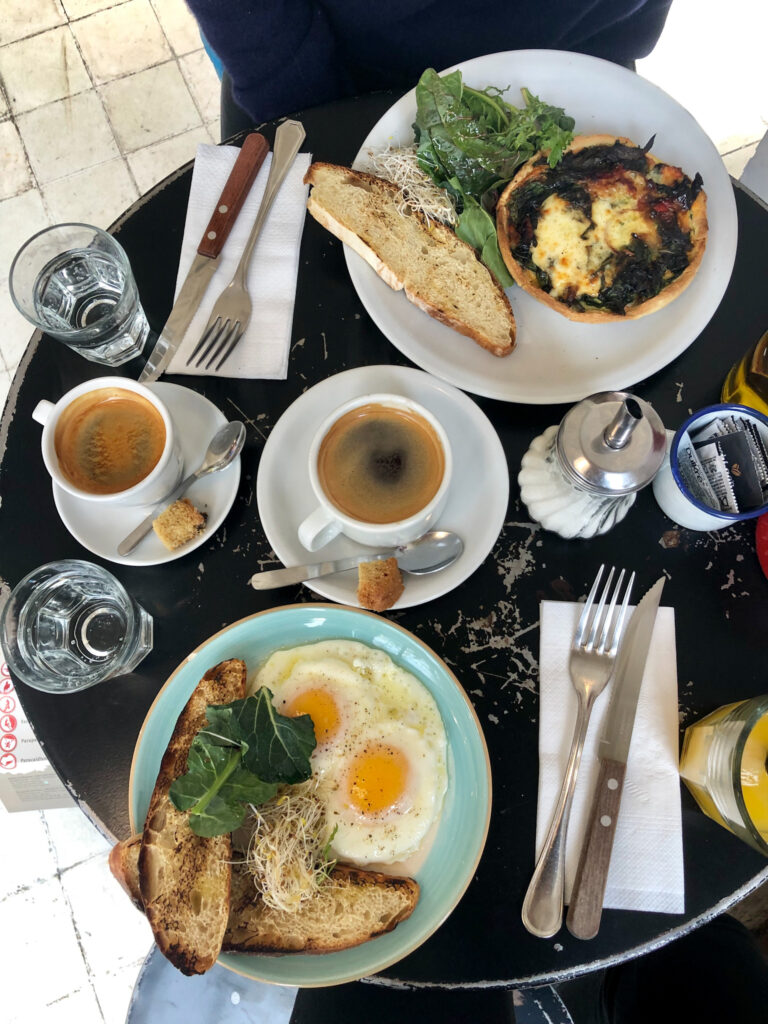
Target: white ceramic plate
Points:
(557, 360)
(100, 531)
(477, 503)
(453, 857)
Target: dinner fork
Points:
(591, 662)
(231, 313)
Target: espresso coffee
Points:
(380, 464)
(109, 440)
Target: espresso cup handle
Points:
(318, 529)
(42, 411)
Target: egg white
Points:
(375, 702)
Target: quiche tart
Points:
(610, 233)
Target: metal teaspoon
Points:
(226, 445)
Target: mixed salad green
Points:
(239, 758)
(472, 141)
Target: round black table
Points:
(487, 628)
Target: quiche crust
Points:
(692, 220)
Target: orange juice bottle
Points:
(723, 764)
(747, 380)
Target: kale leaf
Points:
(239, 758)
(472, 141)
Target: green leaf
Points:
(476, 228)
(276, 748)
(237, 759)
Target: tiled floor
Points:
(98, 101)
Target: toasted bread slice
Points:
(185, 878)
(351, 908)
(380, 584)
(438, 272)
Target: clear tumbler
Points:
(74, 282)
(71, 624)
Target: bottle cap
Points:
(611, 443)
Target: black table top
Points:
(487, 627)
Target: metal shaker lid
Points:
(611, 443)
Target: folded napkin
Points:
(646, 871)
(264, 348)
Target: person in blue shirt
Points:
(282, 57)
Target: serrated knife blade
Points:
(585, 908)
(238, 184)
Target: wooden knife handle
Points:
(586, 906)
(243, 174)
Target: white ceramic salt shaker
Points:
(581, 477)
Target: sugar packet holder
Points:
(724, 463)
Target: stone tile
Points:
(112, 932)
(15, 175)
(27, 857)
(79, 1007)
(5, 387)
(214, 130)
(82, 8)
(200, 75)
(21, 18)
(40, 922)
(58, 69)
(74, 839)
(3, 105)
(97, 195)
(178, 24)
(150, 106)
(67, 136)
(154, 163)
(121, 41)
(15, 336)
(115, 988)
(736, 161)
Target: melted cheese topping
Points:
(575, 251)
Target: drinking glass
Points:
(71, 624)
(74, 282)
(723, 764)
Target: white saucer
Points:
(477, 503)
(100, 528)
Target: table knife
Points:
(586, 906)
(243, 174)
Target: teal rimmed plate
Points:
(463, 827)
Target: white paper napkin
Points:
(264, 348)
(646, 871)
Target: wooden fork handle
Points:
(249, 160)
(586, 906)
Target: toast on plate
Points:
(184, 879)
(437, 271)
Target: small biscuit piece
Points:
(179, 523)
(380, 584)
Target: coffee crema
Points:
(109, 440)
(380, 464)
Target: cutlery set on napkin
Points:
(624, 847)
(233, 306)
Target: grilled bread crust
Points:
(184, 879)
(437, 271)
(526, 279)
(352, 907)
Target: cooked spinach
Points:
(238, 758)
(472, 141)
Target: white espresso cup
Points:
(328, 520)
(151, 488)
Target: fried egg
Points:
(381, 747)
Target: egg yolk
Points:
(321, 708)
(377, 778)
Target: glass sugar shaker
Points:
(580, 477)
